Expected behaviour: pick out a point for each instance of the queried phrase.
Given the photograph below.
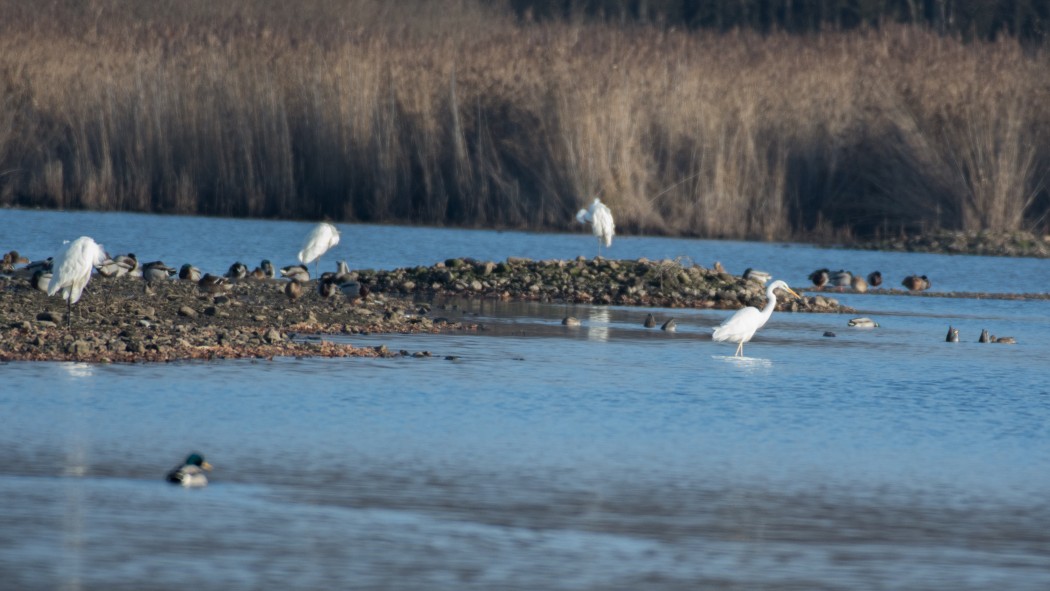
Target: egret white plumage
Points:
(741, 326)
(601, 219)
(323, 237)
(72, 271)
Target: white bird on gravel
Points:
(601, 219)
(323, 237)
(72, 271)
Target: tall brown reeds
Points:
(455, 113)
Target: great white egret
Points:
(323, 237)
(916, 282)
(875, 279)
(741, 326)
(72, 271)
(191, 473)
(819, 278)
(601, 220)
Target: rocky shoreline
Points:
(123, 320)
(1000, 244)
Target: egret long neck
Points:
(771, 303)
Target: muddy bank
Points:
(123, 320)
(1001, 244)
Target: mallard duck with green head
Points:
(191, 473)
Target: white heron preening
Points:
(741, 326)
(323, 237)
(601, 220)
(72, 271)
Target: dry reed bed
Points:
(468, 118)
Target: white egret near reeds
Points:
(323, 237)
(741, 326)
(72, 271)
(602, 225)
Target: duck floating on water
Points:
(191, 473)
(875, 279)
(953, 335)
(863, 323)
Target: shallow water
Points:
(531, 455)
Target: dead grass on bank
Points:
(360, 110)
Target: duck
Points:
(840, 278)
(189, 273)
(875, 279)
(211, 283)
(328, 286)
(858, 284)
(157, 271)
(237, 271)
(755, 275)
(293, 289)
(863, 323)
(191, 473)
(670, 326)
(650, 321)
(296, 273)
(985, 337)
(41, 279)
(118, 266)
(819, 278)
(953, 335)
(916, 282)
(11, 260)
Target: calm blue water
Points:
(604, 456)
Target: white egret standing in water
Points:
(323, 237)
(72, 270)
(601, 220)
(741, 326)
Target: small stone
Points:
(79, 347)
(187, 312)
(273, 336)
(828, 333)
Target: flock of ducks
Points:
(843, 279)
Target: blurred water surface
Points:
(531, 455)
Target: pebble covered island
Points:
(124, 319)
